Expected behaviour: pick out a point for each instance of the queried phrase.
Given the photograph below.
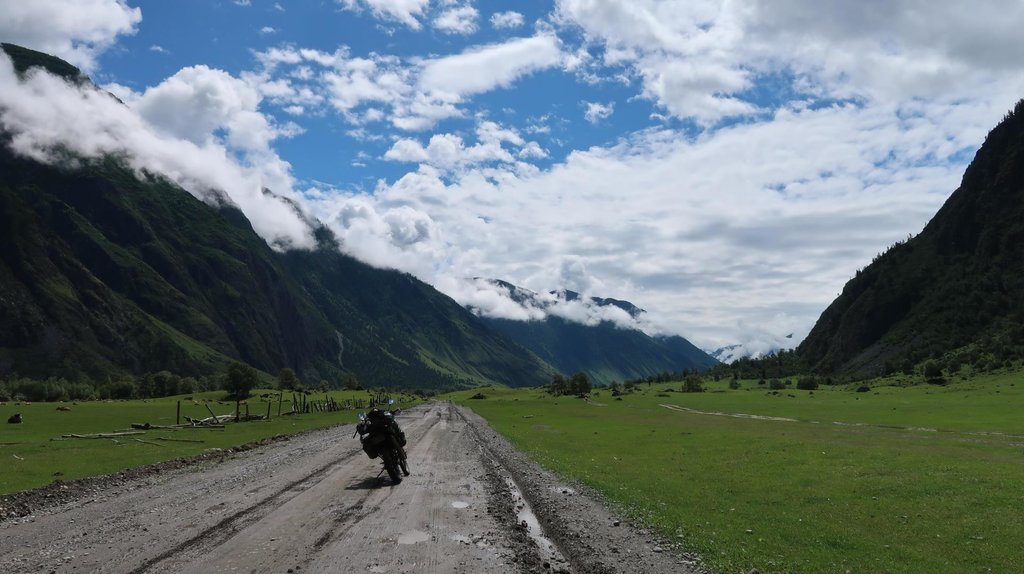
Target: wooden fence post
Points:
(177, 419)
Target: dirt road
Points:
(315, 503)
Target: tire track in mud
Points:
(230, 525)
(345, 520)
(507, 503)
(354, 513)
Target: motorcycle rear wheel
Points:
(391, 465)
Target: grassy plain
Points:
(31, 457)
(895, 480)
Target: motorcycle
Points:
(381, 437)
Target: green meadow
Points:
(33, 453)
(897, 479)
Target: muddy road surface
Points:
(316, 503)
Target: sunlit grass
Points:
(918, 479)
(33, 455)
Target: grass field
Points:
(915, 479)
(30, 457)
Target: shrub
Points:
(863, 389)
(776, 385)
(807, 383)
(734, 384)
(932, 370)
(693, 384)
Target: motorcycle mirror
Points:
(391, 401)
(362, 416)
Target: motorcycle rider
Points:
(381, 419)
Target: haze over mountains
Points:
(598, 335)
(110, 270)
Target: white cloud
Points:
(458, 20)
(75, 30)
(173, 133)
(449, 154)
(267, 30)
(413, 95)
(278, 7)
(407, 12)
(506, 20)
(243, 3)
(756, 226)
(697, 59)
(159, 49)
(597, 111)
(484, 68)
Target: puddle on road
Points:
(525, 515)
(413, 536)
(460, 504)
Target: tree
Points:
(287, 381)
(579, 384)
(239, 379)
(693, 384)
(559, 386)
(351, 383)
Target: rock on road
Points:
(316, 503)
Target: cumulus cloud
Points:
(700, 59)
(412, 94)
(484, 68)
(597, 111)
(458, 20)
(506, 20)
(734, 229)
(75, 30)
(407, 12)
(44, 113)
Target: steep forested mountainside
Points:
(106, 271)
(958, 285)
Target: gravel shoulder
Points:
(315, 503)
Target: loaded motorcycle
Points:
(381, 437)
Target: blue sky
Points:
(726, 165)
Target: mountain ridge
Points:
(957, 287)
(107, 272)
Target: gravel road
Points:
(315, 503)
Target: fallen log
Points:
(102, 434)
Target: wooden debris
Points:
(147, 442)
(101, 434)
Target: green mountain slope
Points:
(104, 272)
(957, 285)
(605, 352)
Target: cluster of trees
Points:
(151, 385)
(578, 385)
(662, 377)
(775, 365)
(238, 380)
